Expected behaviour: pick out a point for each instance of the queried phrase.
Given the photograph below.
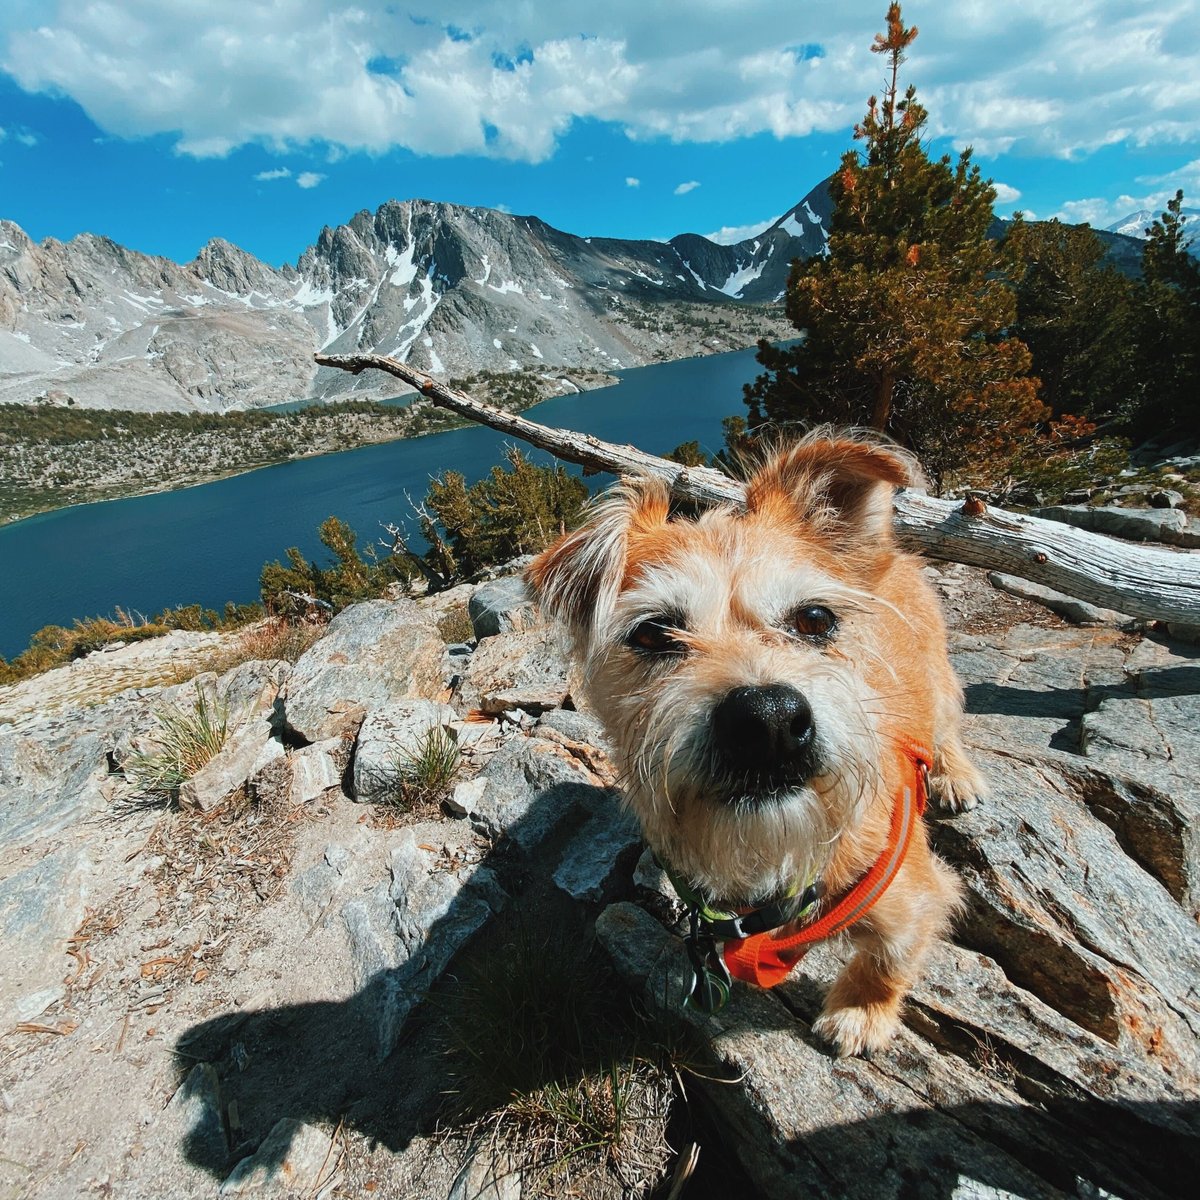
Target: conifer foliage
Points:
(905, 320)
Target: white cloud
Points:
(727, 235)
(277, 173)
(308, 179)
(632, 181)
(683, 188)
(1029, 75)
(1006, 194)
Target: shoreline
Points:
(451, 422)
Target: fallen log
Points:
(1146, 582)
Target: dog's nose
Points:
(765, 729)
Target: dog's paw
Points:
(954, 793)
(858, 1030)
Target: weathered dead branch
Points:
(1150, 583)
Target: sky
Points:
(163, 124)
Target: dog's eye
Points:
(655, 637)
(813, 620)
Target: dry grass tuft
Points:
(556, 1076)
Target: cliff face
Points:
(244, 979)
(453, 290)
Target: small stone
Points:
(466, 796)
(293, 1158)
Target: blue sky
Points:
(164, 124)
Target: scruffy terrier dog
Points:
(776, 685)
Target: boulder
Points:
(390, 739)
(502, 606)
(516, 671)
(295, 1158)
(373, 653)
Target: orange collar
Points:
(767, 958)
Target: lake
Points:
(207, 544)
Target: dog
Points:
(775, 682)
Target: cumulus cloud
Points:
(727, 235)
(493, 78)
(309, 179)
(683, 188)
(632, 181)
(277, 173)
(1006, 194)
(1103, 211)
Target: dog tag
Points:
(710, 992)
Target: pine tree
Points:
(1077, 315)
(905, 318)
(1168, 323)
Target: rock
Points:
(405, 932)
(41, 906)
(467, 796)
(575, 726)
(597, 852)
(295, 1157)
(531, 785)
(512, 670)
(1136, 524)
(316, 768)
(49, 780)
(487, 1175)
(1164, 498)
(1079, 612)
(228, 770)
(502, 606)
(373, 653)
(195, 1114)
(390, 739)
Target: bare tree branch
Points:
(1151, 583)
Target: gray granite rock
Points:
(48, 781)
(531, 785)
(195, 1113)
(516, 671)
(390, 739)
(316, 768)
(1078, 612)
(294, 1159)
(594, 855)
(502, 606)
(1169, 525)
(41, 906)
(228, 770)
(373, 653)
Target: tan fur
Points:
(816, 530)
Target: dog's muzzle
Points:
(765, 735)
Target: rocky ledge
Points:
(227, 995)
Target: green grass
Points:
(186, 739)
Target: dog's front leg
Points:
(862, 1009)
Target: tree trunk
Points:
(883, 402)
(1153, 584)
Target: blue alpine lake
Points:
(207, 544)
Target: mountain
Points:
(1136, 224)
(452, 290)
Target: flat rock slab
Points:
(373, 653)
(1168, 525)
(295, 1158)
(41, 906)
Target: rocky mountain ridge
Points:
(453, 290)
(232, 990)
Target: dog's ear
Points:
(837, 487)
(577, 580)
